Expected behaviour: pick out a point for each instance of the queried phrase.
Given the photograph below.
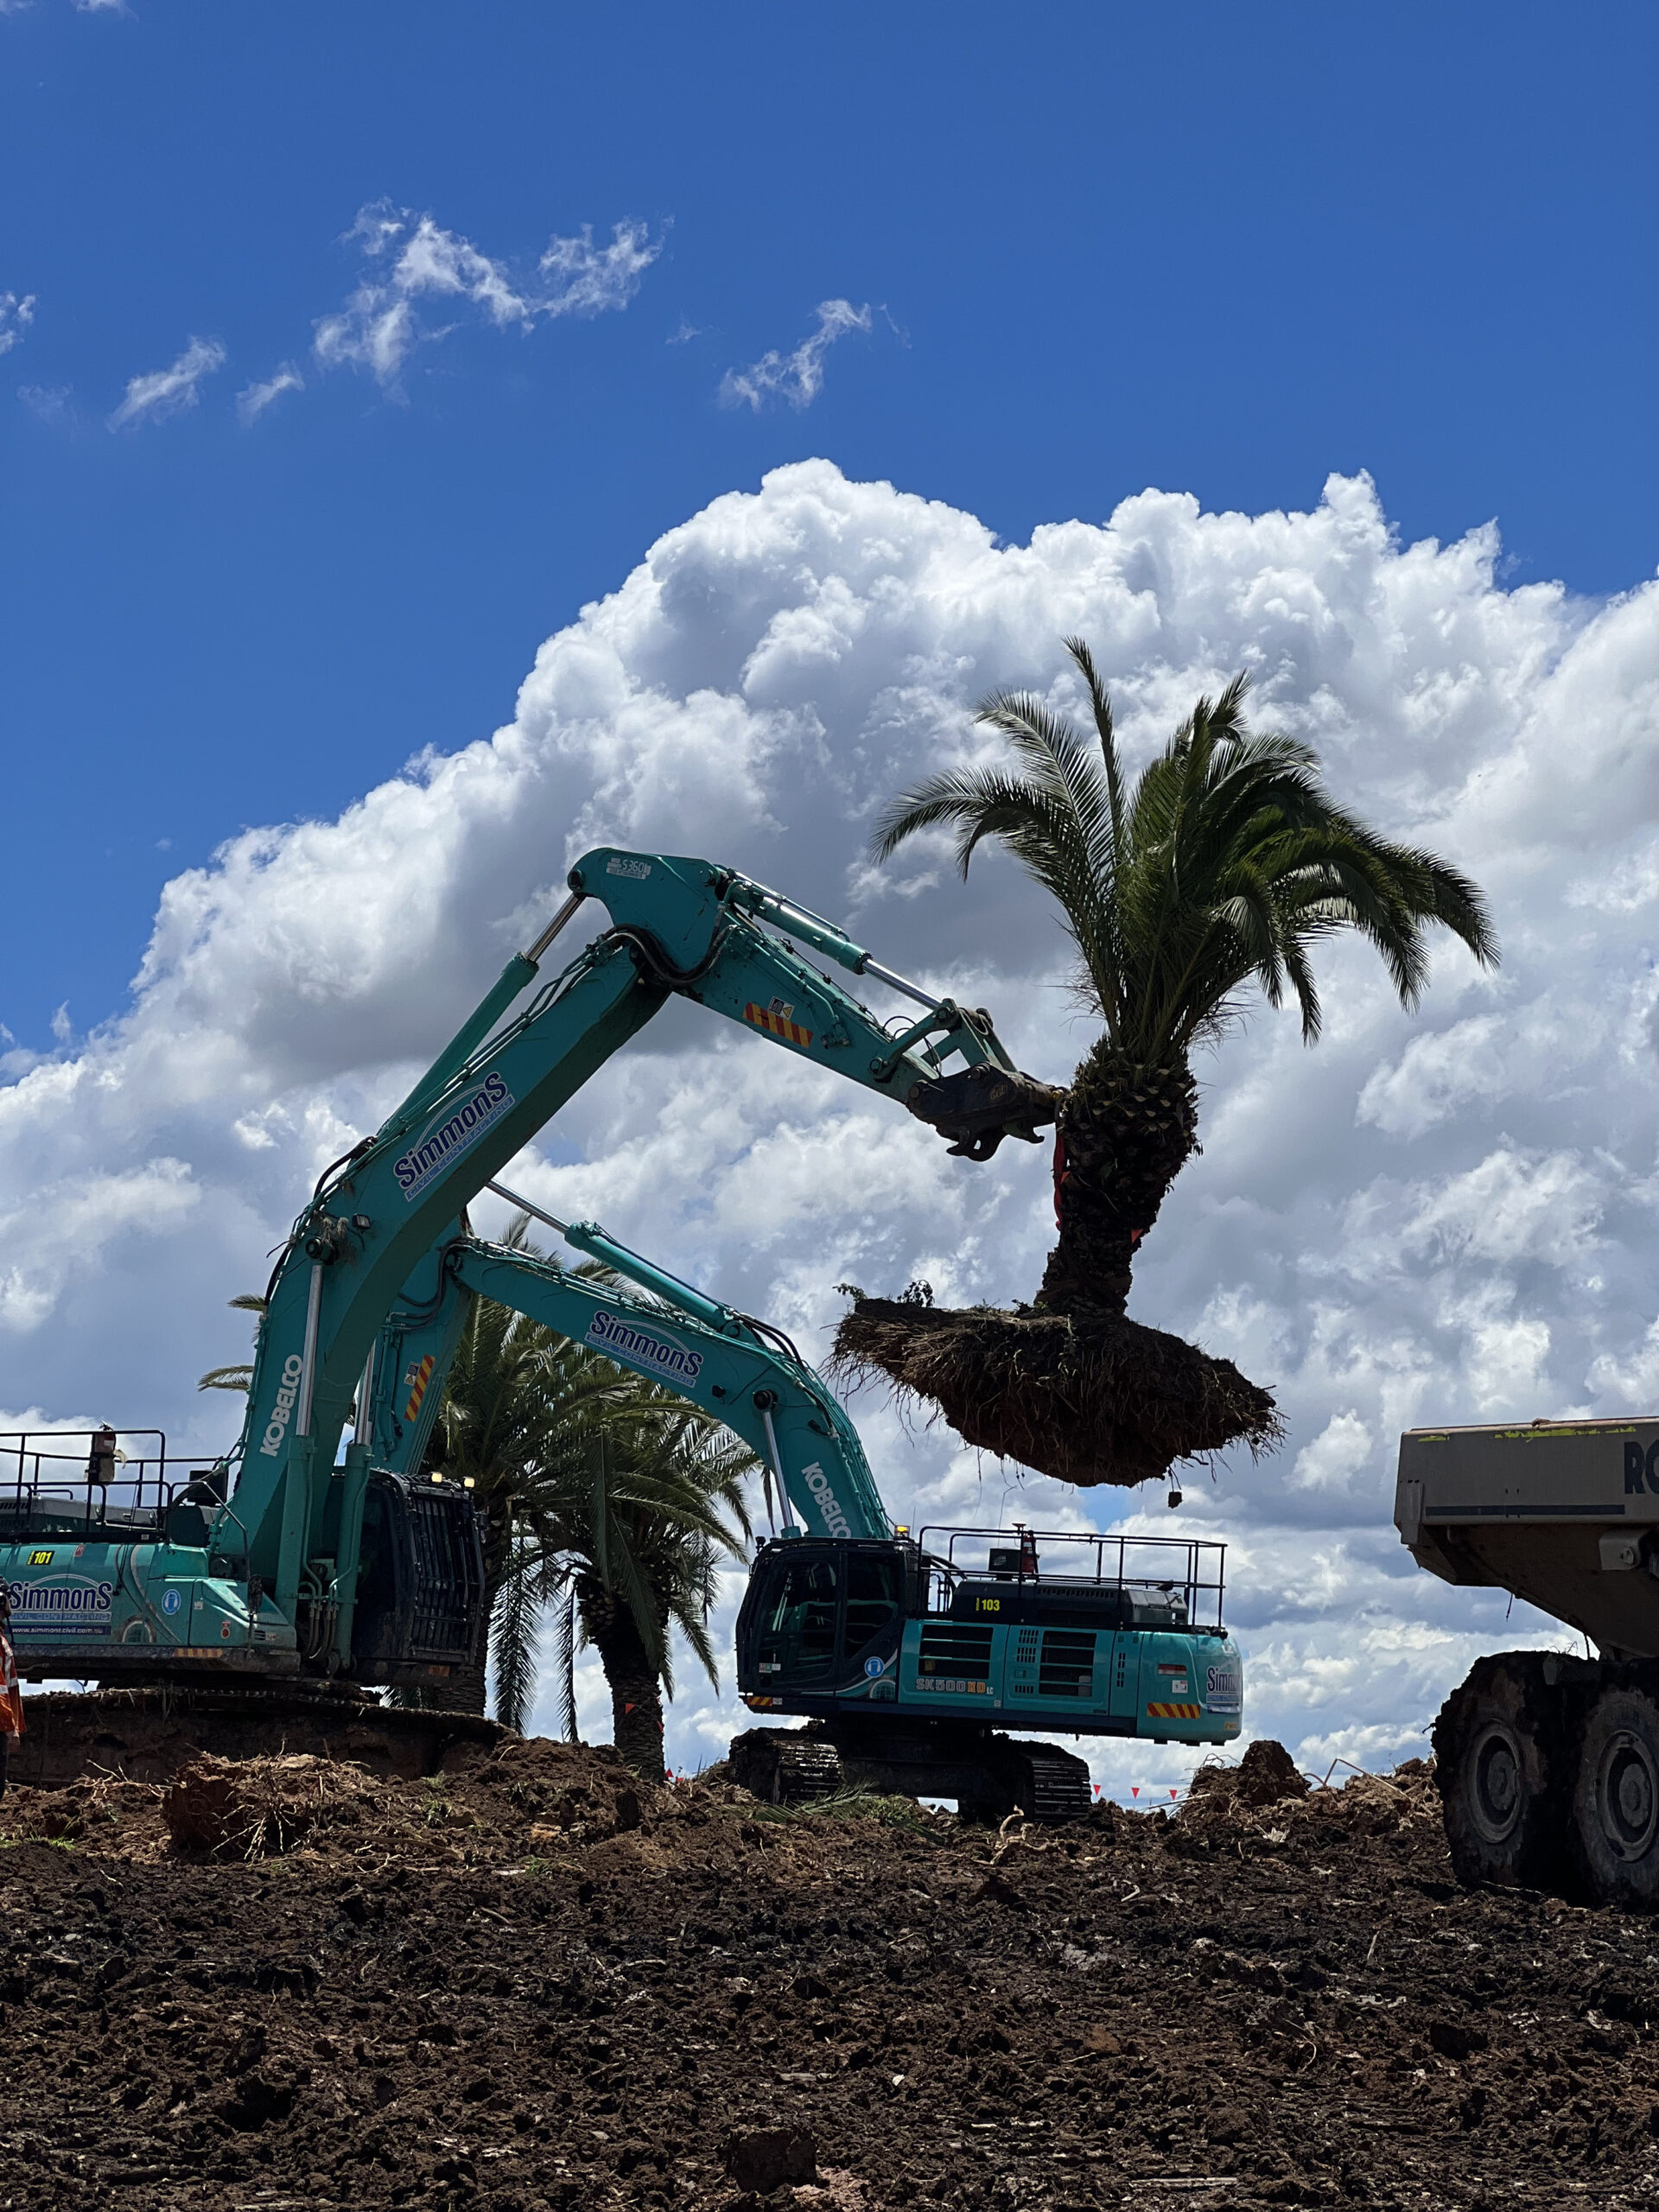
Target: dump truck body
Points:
(1565, 1514)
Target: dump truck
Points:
(1547, 1762)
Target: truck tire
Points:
(1501, 1761)
(1616, 1800)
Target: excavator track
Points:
(1054, 1785)
(148, 1734)
(785, 1768)
(989, 1777)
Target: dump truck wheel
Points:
(1616, 1800)
(1500, 1760)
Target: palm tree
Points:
(240, 1377)
(512, 1426)
(639, 1554)
(1218, 872)
(592, 1484)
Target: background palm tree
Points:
(1216, 873)
(638, 1554)
(594, 1487)
(239, 1376)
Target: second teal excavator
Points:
(909, 1655)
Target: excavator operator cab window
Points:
(875, 1597)
(798, 1628)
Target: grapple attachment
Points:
(980, 1106)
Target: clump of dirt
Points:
(247, 1808)
(1265, 1775)
(526, 1983)
(1265, 1797)
(85, 1811)
(1090, 1398)
(529, 1795)
(766, 2158)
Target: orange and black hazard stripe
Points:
(1174, 1713)
(422, 1376)
(790, 1032)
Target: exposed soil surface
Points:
(526, 1981)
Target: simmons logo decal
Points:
(609, 1333)
(461, 1127)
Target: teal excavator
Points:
(909, 1655)
(290, 1560)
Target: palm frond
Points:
(227, 1378)
(1218, 872)
(564, 1660)
(515, 1640)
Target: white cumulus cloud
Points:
(152, 398)
(411, 260)
(1342, 1448)
(797, 377)
(1443, 1217)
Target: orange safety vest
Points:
(11, 1696)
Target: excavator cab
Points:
(819, 1616)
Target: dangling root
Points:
(1093, 1398)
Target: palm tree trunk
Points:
(636, 1694)
(1125, 1130)
(465, 1690)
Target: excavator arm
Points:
(746, 1374)
(678, 927)
(697, 930)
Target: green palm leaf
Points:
(602, 1495)
(1212, 876)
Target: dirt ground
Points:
(527, 1982)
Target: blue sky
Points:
(1217, 250)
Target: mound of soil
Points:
(250, 1808)
(1090, 1398)
(526, 1983)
